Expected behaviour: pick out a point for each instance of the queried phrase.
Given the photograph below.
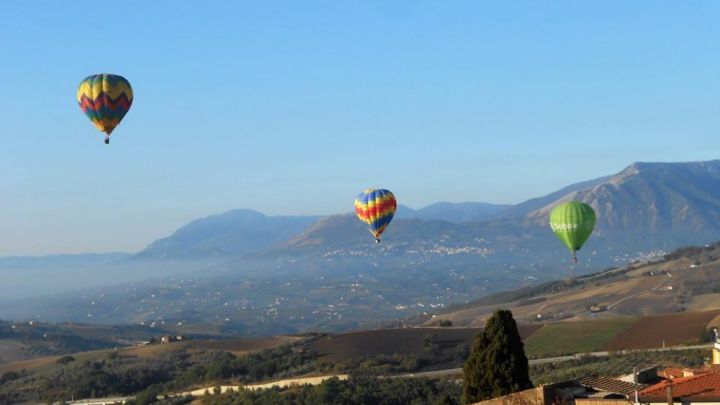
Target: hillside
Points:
(685, 280)
(28, 340)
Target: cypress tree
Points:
(497, 365)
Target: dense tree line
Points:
(434, 356)
(358, 390)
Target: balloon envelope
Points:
(376, 207)
(573, 222)
(105, 99)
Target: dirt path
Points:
(621, 300)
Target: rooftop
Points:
(699, 388)
(610, 385)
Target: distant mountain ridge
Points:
(235, 232)
(61, 259)
(458, 212)
(669, 204)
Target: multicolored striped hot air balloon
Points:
(105, 99)
(376, 208)
(573, 222)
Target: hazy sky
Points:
(294, 107)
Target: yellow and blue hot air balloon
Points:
(105, 99)
(376, 208)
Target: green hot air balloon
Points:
(573, 222)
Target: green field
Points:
(574, 337)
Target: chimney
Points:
(668, 390)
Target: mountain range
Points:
(647, 206)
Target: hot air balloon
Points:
(105, 99)
(376, 208)
(573, 222)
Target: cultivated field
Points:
(12, 350)
(619, 333)
(673, 329)
(371, 343)
(574, 337)
(241, 346)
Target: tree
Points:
(9, 376)
(497, 365)
(65, 360)
(148, 396)
(707, 335)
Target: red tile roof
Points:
(698, 388)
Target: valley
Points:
(247, 273)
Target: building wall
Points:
(533, 396)
(716, 353)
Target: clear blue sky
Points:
(294, 107)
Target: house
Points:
(171, 338)
(695, 389)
